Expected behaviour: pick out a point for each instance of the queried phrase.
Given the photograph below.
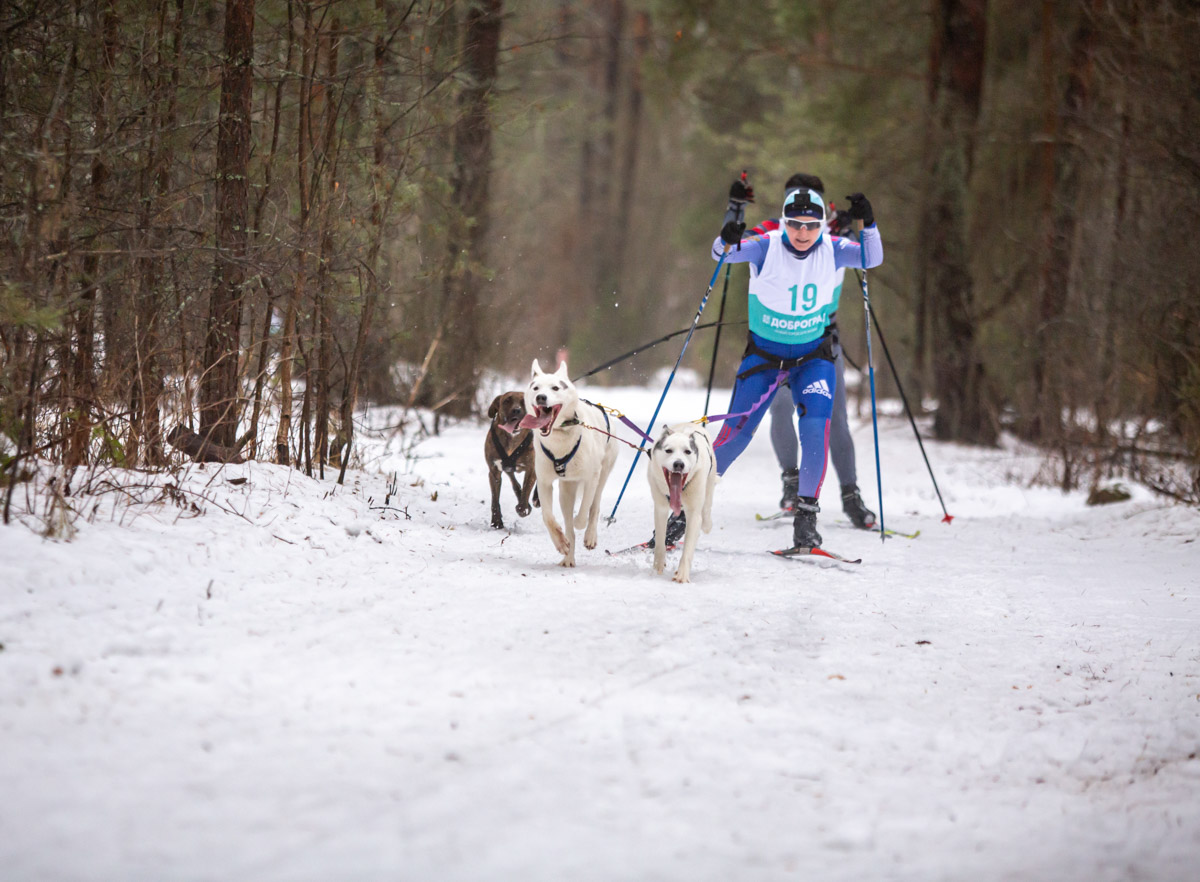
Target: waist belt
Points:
(773, 362)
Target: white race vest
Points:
(791, 299)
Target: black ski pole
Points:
(908, 410)
(712, 368)
(640, 349)
(737, 213)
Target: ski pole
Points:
(911, 420)
(640, 349)
(735, 212)
(871, 372)
(712, 368)
(695, 320)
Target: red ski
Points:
(803, 551)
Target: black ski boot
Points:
(852, 504)
(676, 527)
(804, 524)
(791, 488)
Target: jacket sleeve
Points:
(849, 254)
(751, 250)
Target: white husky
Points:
(568, 450)
(682, 475)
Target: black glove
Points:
(860, 209)
(741, 192)
(731, 233)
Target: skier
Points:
(783, 432)
(793, 277)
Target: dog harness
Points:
(508, 461)
(560, 464)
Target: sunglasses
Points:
(803, 225)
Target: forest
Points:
(228, 227)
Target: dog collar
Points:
(576, 421)
(560, 465)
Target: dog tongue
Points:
(530, 421)
(511, 427)
(675, 489)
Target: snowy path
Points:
(311, 689)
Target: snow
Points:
(300, 683)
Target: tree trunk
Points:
(287, 341)
(957, 66)
(155, 182)
(1106, 406)
(605, 215)
(631, 138)
(83, 321)
(323, 323)
(470, 185)
(1062, 175)
(219, 386)
(380, 204)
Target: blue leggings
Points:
(812, 386)
(841, 442)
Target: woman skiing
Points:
(794, 277)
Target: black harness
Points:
(560, 463)
(773, 362)
(508, 461)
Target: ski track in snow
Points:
(295, 686)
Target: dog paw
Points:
(497, 524)
(658, 568)
(524, 510)
(681, 576)
(568, 561)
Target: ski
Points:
(779, 515)
(641, 546)
(803, 551)
(782, 513)
(889, 532)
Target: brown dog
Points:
(509, 449)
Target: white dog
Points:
(682, 475)
(567, 450)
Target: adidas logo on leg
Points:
(818, 387)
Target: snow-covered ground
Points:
(300, 683)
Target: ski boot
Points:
(852, 504)
(676, 527)
(804, 524)
(791, 487)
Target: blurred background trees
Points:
(244, 219)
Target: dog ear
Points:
(494, 408)
(562, 370)
(537, 368)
